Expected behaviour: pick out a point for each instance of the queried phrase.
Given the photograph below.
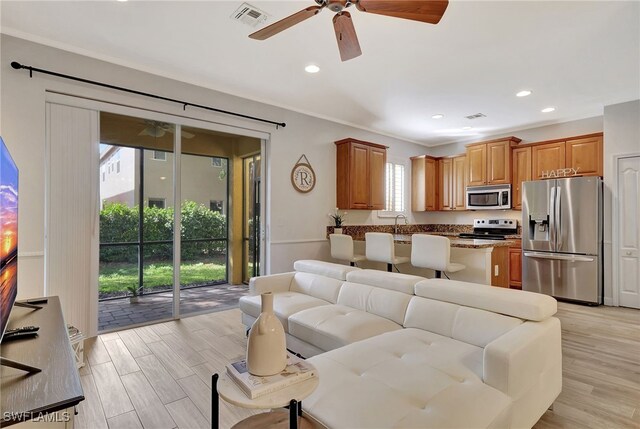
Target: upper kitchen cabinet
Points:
(582, 153)
(424, 183)
(547, 157)
(521, 160)
(585, 155)
(489, 163)
(452, 183)
(360, 169)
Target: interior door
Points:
(628, 263)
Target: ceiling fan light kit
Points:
(429, 11)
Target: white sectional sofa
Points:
(400, 351)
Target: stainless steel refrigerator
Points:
(562, 238)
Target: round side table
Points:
(290, 396)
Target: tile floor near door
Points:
(159, 376)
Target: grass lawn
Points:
(116, 277)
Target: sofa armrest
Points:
(519, 360)
(271, 283)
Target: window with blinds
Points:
(394, 187)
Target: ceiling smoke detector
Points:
(476, 116)
(249, 15)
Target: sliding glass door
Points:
(157, 263)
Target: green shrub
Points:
(119, 224)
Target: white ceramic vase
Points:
(337, 230)
(266, 347)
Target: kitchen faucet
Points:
(395, 226)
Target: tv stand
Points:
(17, 365)
(52, 381)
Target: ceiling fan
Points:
(159, 129)
(429, 11)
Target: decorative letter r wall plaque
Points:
(303, 178)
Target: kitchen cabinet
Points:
(445, 175)
(459, 183)
(585, 155)
(547, 157)
(521, 161)
(500, 267)
(477, 162)
(424, 183)
(360, 169)
(489, 163)
(582, 153)
(515, 265)
(453, 182)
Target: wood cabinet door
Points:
(546, 157)
(521, 173)
(515, 267)
(445, 174)
(377, 165)
(498, 163)
(477, 164)
(359, 186)
(585, 155)
(459, 184)
(418, 185)
(431, 186)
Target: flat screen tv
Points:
(8, 235)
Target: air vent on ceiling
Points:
(476, 116)
(250, 15)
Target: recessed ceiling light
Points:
(523, 93)
(438, 116)
(548, 109)
(466, 128)
(122, 0)
(161, 177)
(312, 68)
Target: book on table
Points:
(254, 386)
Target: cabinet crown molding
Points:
(511, 139)
(351, 140)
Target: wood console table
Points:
(32, 396)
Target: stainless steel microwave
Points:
(491, 197)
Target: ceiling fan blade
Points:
(429, 11)
(285, 23)
(346, 36)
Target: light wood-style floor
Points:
(160, 376)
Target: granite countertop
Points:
(465, 243)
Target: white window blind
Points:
(395, 187)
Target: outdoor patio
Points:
(119, 313)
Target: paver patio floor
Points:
(118, 313)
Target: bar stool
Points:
(342, 248)
(433, 251)
(380, 248)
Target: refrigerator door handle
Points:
(571, 258)
(558, 218)
(552, 220)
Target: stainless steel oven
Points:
(491, 197)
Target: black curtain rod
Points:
(16, 65)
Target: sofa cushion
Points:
(321, 287)
(284, 305)
(404, 283)
(389, 304)
(516, 303)
(331, 326)
(405, 379)
(327, 269)
(471, 325)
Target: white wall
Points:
(298, 221)
(621, 137)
